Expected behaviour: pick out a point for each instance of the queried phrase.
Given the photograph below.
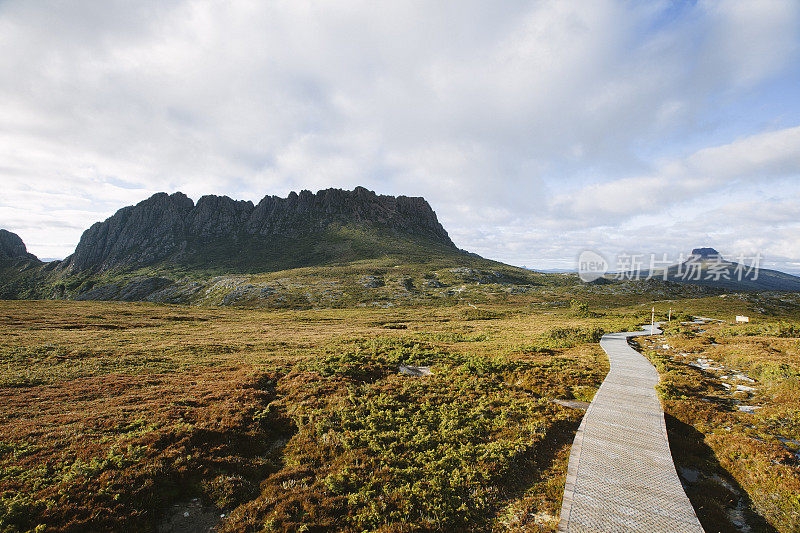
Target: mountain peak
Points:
(12, 247)
(705, 253)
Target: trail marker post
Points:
(653, 322)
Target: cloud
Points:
(752, 39)
(532, 127)
(766, 156)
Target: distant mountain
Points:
(12, 247)
(301, 230)
(706, 266)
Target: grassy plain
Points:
(289, 420)
(119, 415)
(731, 394)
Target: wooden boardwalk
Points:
(620, 475)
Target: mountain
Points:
(300, 230)
(332, 248)
(706, 266)
(12, 247)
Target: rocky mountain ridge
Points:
(172, 228)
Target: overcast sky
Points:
(535, 129)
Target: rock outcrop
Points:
(706, 253)
(12, 247)
(172, 228)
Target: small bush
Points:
(473, 313)
(581, 310)
(575, 335)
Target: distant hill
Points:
(706, 266)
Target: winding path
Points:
(620, 475)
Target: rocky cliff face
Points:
(12, 247)
(172, 227)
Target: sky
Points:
(535, 129)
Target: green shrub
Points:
(437, 453)
(581, 310)
(575, 336)
(783, 329)
(476, 313)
